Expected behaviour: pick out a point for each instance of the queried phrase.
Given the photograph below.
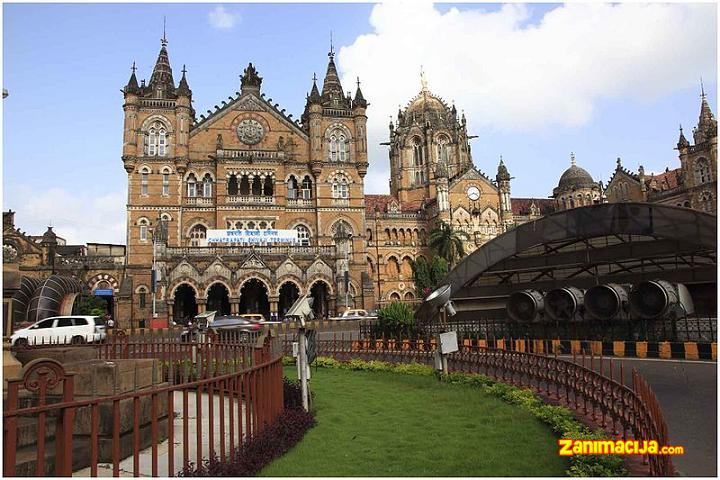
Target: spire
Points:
(332, 91)
(682, 141)
(707, 125)
(502, 172)
(184, 89)
(314, 96)
(162, 78)
(132, 85)
(359, 100)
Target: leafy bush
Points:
(260, 450)
(395, 320)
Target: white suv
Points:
(75, 329)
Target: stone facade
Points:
(692, 185)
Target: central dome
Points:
(427, 107)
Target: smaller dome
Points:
(574, 178)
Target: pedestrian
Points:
(109, 322)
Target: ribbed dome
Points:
(427, 107)
(574, 178)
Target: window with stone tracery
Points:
(191, 186)
(197, 234)
(338, 146)
(443, 150)
(340, 187)
(303, 235)
(166, 182)
(156, 140)
(143, 224)
(307, 187)
(207, 186)
(702, 171)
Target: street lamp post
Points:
(347, 272)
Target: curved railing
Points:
(210, 396)
(626, 408)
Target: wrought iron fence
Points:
(627, 410)
(690, 329)
(238, 384)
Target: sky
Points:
(536, 82)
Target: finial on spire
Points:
(133, 67)
(358, 82)
(572, 159)
(184, 70)
(702, 88)
(332, 49)
(314, 77)
(501, 161)
(163, 40)
(619, 162)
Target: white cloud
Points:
(77, 216)
(513, 75)
(222, 19)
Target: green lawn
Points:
(386, 424)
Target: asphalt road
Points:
(687, 392)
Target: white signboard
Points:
(252, 237)
(448, 342)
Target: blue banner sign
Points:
(254, 237)
(103, 292)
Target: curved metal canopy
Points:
(54, 296)
(589, 245)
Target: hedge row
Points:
(560, 419)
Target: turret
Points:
(131, 91)
(682, 141)
(503, 182)
(332, 91)
(707, 125)
(359, 105)
(185, 115)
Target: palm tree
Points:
(448, 242)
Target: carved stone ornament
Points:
(250, 131)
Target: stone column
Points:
(202, 304)
(234, 305)
(332, 312)
(171, 311)
(273, 305)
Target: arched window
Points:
(303, 235)
(256, 188)
(307, 187)
(244, 185)
(418, 158)
(207, 186)
(232, 185)
(340, 188)
(707, 202)
(197, 234)
(268, 186)
(144, 176)
(443, 150)
(702, 171)
(292, 187)
(338, 146)
(165, 182)
(393, 268)
(143, 227)
(368, 235)
(191, 186)
(142, 295)
(156, 140)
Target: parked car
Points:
(75, 329)
(255, 317)
(355, 314)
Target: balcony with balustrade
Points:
(251, 199)
(200, 201)
(241, 251)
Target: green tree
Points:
(428, 274)
(395, 319)
(89, 305)
(448, 242)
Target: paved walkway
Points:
(126, 465)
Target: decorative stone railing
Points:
(255, 154)
(199, 200)
(299, 202)
(156, 103)
(250, 199)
